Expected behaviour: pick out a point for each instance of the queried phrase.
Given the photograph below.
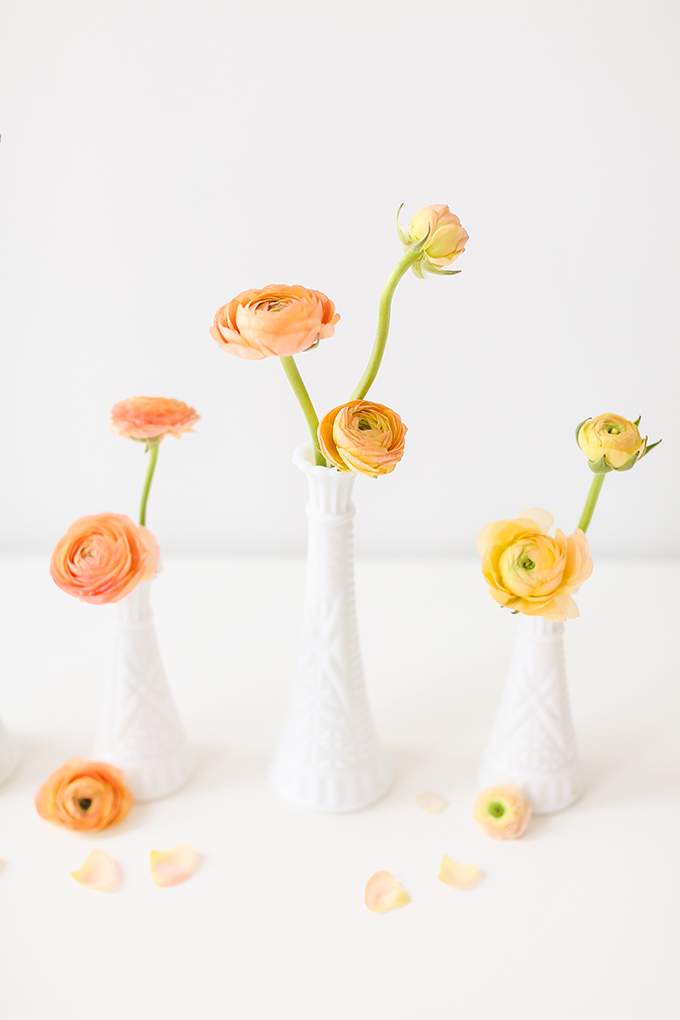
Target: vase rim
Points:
(303, 458)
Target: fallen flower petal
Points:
(462, 876)
(98, 871)
(429, 801)
(384, 893)
(170, 867)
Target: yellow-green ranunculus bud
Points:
(444, 236)
(611, 443)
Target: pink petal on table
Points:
(431, 801)
(384, 893)
(170, 867)
(98, 871)
(462, 876)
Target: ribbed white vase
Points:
(329, 757)
(9, 754)
(532, 741)
(139, 730)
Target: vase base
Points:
(9, 755)
(333, 792)
(153, 778)
(545, 791)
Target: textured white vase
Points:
(9, 754)
(329, 757)
(139, 731)
(532, 741)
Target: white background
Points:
(158, 158)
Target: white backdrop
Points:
(159, 157)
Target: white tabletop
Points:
(579, 919)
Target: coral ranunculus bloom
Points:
(502, 811)
(84, 795)
(362, 436)
(528, 570)
(152, 418)
(276, 321)
(101, 558)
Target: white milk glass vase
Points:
(9, 754)
(532, 741)
(139, 730)
(329, 758)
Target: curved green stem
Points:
(300, 391)
(366, 381)
(591, 501)
(152, 446)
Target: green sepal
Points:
(417, 269)
(632, 462)
(429, 267)
(403, 237)
(652, 445)
(639, 419)
(578, 429)
(420, 245)
(600, 467)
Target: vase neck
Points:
(537, 628)
(135, 607)
(330, 490)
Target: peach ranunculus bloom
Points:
(84, 795)
(152, 418)
(276, 321)
(362, 436)
(611, 442)
(529, 571)
(445, 244)
(101, 558)
(502, 811)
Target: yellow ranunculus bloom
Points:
(611, 442)
(529, 571)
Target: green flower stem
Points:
(366, 381)
(591, 501)
(152, 447)
(300, 391)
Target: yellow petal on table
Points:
(170, 867)
(384, 893)
(98, 871)
(431, 802)
(462, 876)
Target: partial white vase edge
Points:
(329, 757)
(532, 741)
(139, 730)
(9, 754)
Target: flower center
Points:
(613, 430)
(496, 809)
(84, 803)
(276, 306)
(364, 425)
(527, 563)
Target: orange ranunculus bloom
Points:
(101, 558)
(152, 418)
(530, 571)
(362, 436)
(84, 795)
(276, 321)
(447, 238)
(502, 811)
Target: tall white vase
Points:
(9, 754)
(329, 757)
(139, 731)
(532, 741)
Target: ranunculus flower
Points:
(87, 796)
(502, 811)
(152, 418)
(445, 243)
(611, 442)
(362, 436)
(101, 558)
(276, 321)
(530, 572)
